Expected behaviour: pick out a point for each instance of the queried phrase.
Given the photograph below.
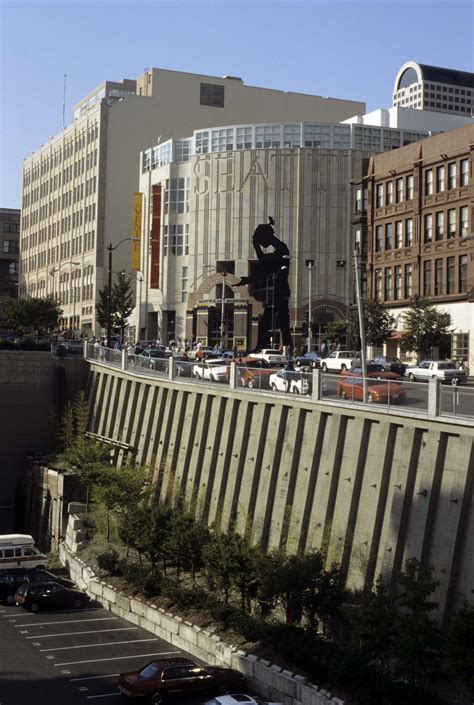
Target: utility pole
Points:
(310, 264)
(223, 311)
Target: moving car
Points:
(154, 359)
(378, 391)
(10, 581)
(291, 381)
(174, 676)
(47, 595)
(310, 359)
(213, 370)
(254, 373)
(391, 364)
(270, 356)
(373, 370)
(436, 369)
(340, 360)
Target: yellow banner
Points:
(137, 231)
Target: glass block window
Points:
(183, 150)
(161, 155)
(391, 139)
(342, 136)
(222, 140)
(267, 136)
(244, 138)
(179, 195)
(367, 138)
(202, 142)
(291, 135)
(175, 240)
(318, 136)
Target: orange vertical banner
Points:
(155, 238)
(137, 231)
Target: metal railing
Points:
(432, 398)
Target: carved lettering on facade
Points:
(284, 161)
(202, 173)
(255, 170)
(225, 173)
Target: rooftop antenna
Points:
(64, 98)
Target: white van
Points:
(19, 551)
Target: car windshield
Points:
(149, 671)
(156, 353)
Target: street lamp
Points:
(360, 312)
(309, 263)
(111, 248)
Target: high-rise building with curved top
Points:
(434, 88)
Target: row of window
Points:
(177, 194)
(84, 215)
(441, 276)
(447, 224)
(73, 171)
(445, 177)
(175, 240)
(60, 154)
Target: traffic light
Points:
(304, 325)
(340, 263)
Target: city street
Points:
(73, 657)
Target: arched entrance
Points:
(204, 319)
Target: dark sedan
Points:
(44, 595)
(176, 676)
(391, 364)
(10, 581)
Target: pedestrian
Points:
(290, 375)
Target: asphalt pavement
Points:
(72, 657)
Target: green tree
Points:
(147, 530)
(185, 543)
(460, 646)
(123, 303)
(101, 306)
(378, 322)
(227, 558)
(119, 490)
(324, 593)
(31, 315)
(418, 641)
(424, 326)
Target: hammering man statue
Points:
(274, 265)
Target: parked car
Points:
(10, 581)
(205, 351)
(238, 699)
(154, 359)
(213, 370)
(164, 677)
(436, 369)
(48, 595)
(378, 392)
(373, 370)
(231, 355)
(292, 381)
(391, 364)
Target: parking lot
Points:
(72, 657)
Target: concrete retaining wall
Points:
(369, 489)
(270, 680)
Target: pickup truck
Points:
(340, 360)
(436, 369)
(271, 356)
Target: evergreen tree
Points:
(101, 306)
(122, 303)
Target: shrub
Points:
(109, 561)
(141, 577)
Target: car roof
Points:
(178, 661)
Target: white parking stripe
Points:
(92, 646)
(93, 678)
(28, 614)
(95, 631)
(117, 658)
(69, 621)
(106, 695)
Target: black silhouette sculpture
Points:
(274, 266)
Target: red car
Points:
(254, 373)
(159, 679)
(373, 370)
(378, 391)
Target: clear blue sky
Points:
(341, 49)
